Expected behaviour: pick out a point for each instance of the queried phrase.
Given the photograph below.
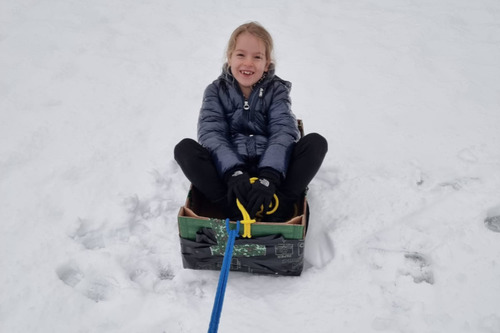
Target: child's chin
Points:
(247, 81)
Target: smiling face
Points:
(248, 61)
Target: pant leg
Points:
(305, 162)
(196, 163)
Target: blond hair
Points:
(256, 30)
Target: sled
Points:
(272, 248)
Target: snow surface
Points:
(95, 94)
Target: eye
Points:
(258, 57)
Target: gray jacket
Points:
(261, 130)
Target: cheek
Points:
(233, 62)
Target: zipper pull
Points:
(261, 92)
(246, 106)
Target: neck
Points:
(246, 91)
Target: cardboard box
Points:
(275, 248)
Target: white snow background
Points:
(95, 94)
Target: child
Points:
(246, 129)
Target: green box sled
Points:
(275, 248)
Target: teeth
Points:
(246, 72)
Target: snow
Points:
(94, 95)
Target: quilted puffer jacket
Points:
(261, 130)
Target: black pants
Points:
(196, 163)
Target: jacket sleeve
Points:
(213, 132)
(282, 128)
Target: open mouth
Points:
(246, 73)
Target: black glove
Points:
(238, 186)
(262, 191)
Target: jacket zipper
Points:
(246, 104)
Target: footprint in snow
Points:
(405, 263)
(418, 267)
(70, 274)
(492, 220)
(90, 238)
(100, 288)
(493, 223)
(151, 274)
(96, 288)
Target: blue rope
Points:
(224, 274)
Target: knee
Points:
(316, 142)
(183, 147)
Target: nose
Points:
(248, 61)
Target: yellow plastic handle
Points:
(246, 221)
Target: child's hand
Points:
(238, 187)
(261, 195)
